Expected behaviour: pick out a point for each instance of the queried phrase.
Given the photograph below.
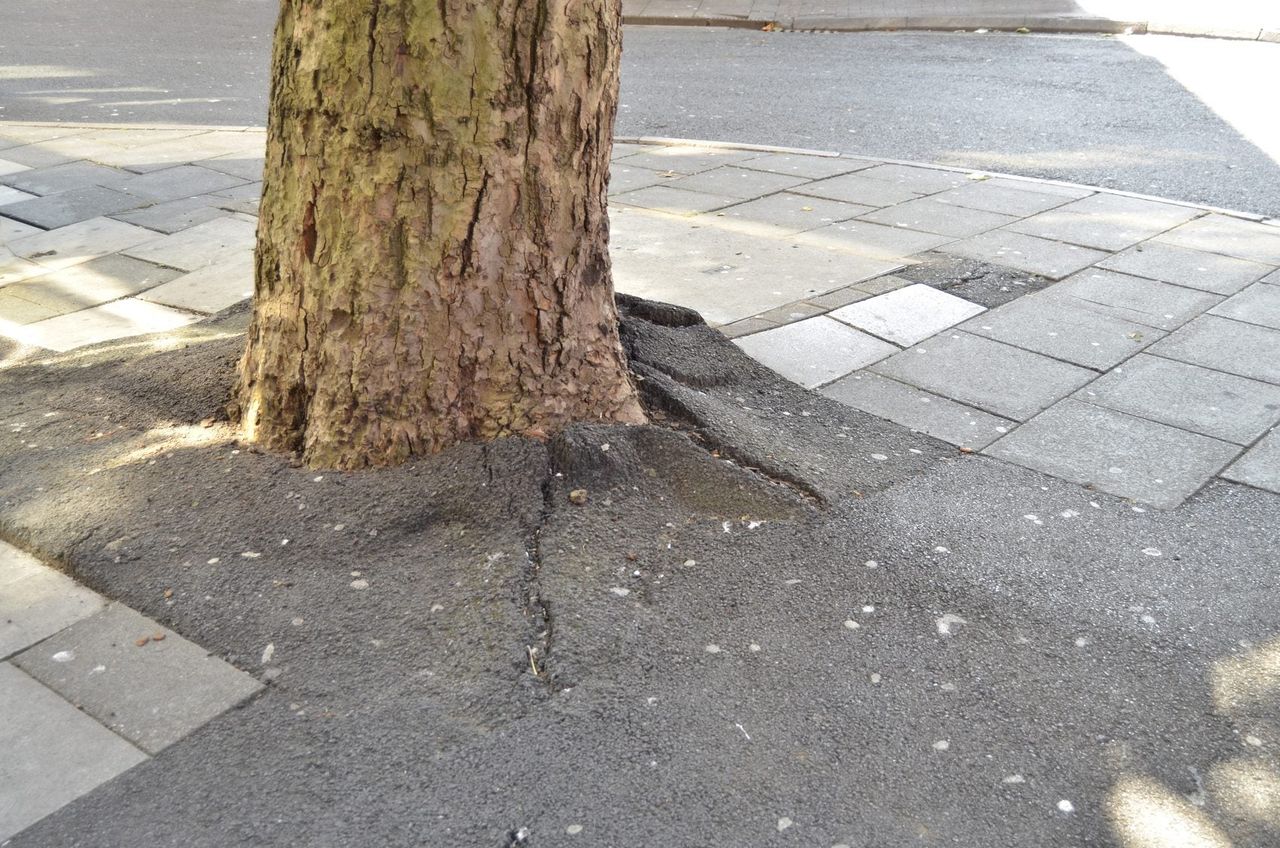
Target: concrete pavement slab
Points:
(7, 167)
(907, 315)
(811, 167)
(1063, 328)
(1230, 237)
(178, 182)
(1259, 304)
(65, 177)
(688, 160)
(931, 216)
(1137, 212)
(19, 311)
(1211, 403)
(246, 167)
(674, 201)
(11, 230)
(999, 378)
(1094, 230)
(623, 178)
(922, 411)
(70, 207)
(791, 312)
(1225, 345)
(1116, 453)
(785, 213)
(12, 195)
(79, 242)
(210, 289)
(53, 753)
(1001, 197)
(745, 327)
(169, 218)
(870, 239)
(1183, 266)
(115, 320)
(1272, 278)
(145, 682)
(917, 179)
(880, 285)
(1136, 299)
(814, 351)
(91, 283)
(742, 183)
(1051, 259)
(840, 297)
(36, 601)
(1260, 466)
(13, 268)
(204, 244)
(856, 188)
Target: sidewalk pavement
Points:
(1119, 342)
(1125, 343)
(1254, 20)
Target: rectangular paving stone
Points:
(53, 753)
(1272, 279)
(882, 284)
(69, 207)
(1224, 406)
(1183, 266)
(741, 183)
(246, 167)
(65, 177)
(153, 694)
(907, 315)
(1137, 299)
(1260, 466)
(1225, 345)
(178, 182)
(1001, 197)
(810, 167)
(791, 312)
(12, 195)
(927, 413)
(115, 320)
(1132, 211)
(871, 239)
(687, 160)
(1259, 304)
(39, 156)
(203, 244)
(839, 297)
(623, 178)
(7, 167)
(814, 351)
(11, 230)
(745, 327)
(1230, 237)
(995, 377)
(36, 601)
(18, 311)
(1064, 329)
(13, 268)
(1116, 453)
(784, 213)
(1051, 259)
(1088, 230)
(931, 216)
(855, 188)
(210, 289)
(675, 201)
(918, 180)
(179, 214)
(193, 148)
(79, 242)
(91, 283)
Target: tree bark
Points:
(432, 261)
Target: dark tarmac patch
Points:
(977, 282)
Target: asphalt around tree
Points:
(1173, 117)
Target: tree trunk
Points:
(432, 261)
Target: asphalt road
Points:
(1174, 117)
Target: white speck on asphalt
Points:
(948, 687)
(268, 652)
(360, 584)
(620, 592)
(1066, 806)
(63, 656)
(744, 732)
(754, 647)
(690, 562)
(437, 608)
(941, 550)
(946, 622)
(879, 457)
(1014, 778)
(1148, 619)
(875, 677)
(1151, 552)
(784, 823)
(851, 624)
(1254, 741)
(317, 479)
(871, 564)
(1081, 641)
(213, 561)
(712, 649)
(868, 608)
(250, 554)
(297, 622)
(942, 745)
(575, 829)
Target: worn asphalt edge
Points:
(667, 141)
(1043, 24)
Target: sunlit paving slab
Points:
(1147, 302)
(1229, 236)
(815, 351)
(116, 320)
(907, 315)
(79, 242)
(36, 601)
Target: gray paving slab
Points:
(814, 351)
(210, 289)
(1064, 329)
(871, 239)
(13, 268)
(839, 297)
(11, 230)
(1051, 259)
(1272, 278)
(922, 411)
(907, 315)
(785, 213)
(178, 182)
(69, 207)
(38, 155)
(1137, 299)
(1086, 229)
(791, 312)
(1260, 466)
(992, 376)
(53, 753)
(1225, 345)
(65, 177)
(812, 167)
(178, 215)
(931, 216)
(1259, 304)
(688, 160)
(675, 201)
(1128, 211)
(856, 188)
(742, 183)
(90, 283)
(79, 242)
(118, 319)
(882, 284)
(196, 147)
(13, 195)
(36, 601)
(745, 327)
(1116, 453)
(1000, 197)
(1211, 403)
(8, 167)
(153, 693)
(241, 192)
(237, 165)
(624, 178)
(1230, 237)
(198, 246)
(19, 311)
(917, 179)
(1183, 266)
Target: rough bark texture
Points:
(432, 259)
